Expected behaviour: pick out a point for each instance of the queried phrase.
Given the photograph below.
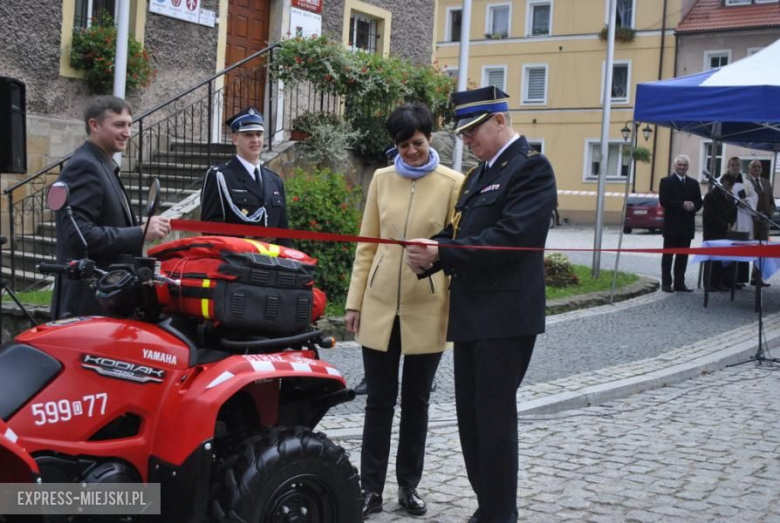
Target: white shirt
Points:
(507, 144)
(249, 167)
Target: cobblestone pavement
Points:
(603, 337)
(703, 450)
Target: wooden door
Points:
(247, 33)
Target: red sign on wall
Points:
(315, 6)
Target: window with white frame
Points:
(766, 1)
(617, 168)
(706, 159)
(738, 2)
(494, 75)
(715, 59)
(539, 18)
(625, 14)
(535, 84)
(753, 50)
(452, 72)
(363, 32)
(87, 11)
(621, 81)
(454, 24)
(498, 20)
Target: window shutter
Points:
(537, 81)
(495, 77)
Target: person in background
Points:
(720, 213)
(243, 191)
(765, 204)
(100, 207)
(497, 296)
(747, 195)
(393, 313)
(680, 197)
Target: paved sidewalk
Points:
(702, 450)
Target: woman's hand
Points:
(352, 319)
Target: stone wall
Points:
(412, 25)
(182, 53)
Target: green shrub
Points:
(370, 85)
(322, 201)
(375, 137)
(559, 270)
(94, 51)
(328, 142)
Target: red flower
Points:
(343, 205)
(296, 198)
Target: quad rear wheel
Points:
(288, 475)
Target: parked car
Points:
(643, 212)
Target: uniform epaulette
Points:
(532, 152)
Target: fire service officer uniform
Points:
(497, 298)
(243, 191)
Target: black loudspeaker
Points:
(13, 126)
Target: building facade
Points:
(36, 42)
(549, 56)
(715, 33)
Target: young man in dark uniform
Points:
(243, 191)
(497, 298)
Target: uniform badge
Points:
(244, 212)
(251, 111)
(494, 187)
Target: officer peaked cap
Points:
(476, 106)
(249, 119)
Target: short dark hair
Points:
(728, 178)
(98, 107)
(407, 119)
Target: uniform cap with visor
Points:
(247, 120)
(475, 106)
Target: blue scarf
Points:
(412, 172)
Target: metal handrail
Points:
(139, 119)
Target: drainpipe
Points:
(660, 77)
(120, 62)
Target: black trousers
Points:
(382, 383)
(680, 261)
(487, 376)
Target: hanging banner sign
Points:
(187, 10)
(306, 18)
(313, 6)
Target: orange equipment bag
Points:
(241, 283)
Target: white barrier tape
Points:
(613, 194)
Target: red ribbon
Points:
(228, 229)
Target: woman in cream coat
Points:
(394, 313)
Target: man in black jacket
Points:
(243, 191)
(680, 197)
(100, 207)
(720, 213)
(497, 297)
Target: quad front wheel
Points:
(287, 475)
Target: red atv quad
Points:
(225, 425)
